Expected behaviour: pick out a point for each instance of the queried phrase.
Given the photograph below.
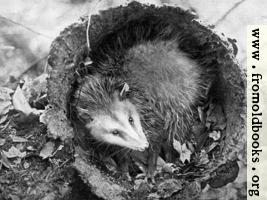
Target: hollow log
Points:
(70, 49)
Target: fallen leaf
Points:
(47, 150)
(204, 157)
(26, 165)
(13, 197)
(4, 126)
(215, 135)
(168, 168)
(153, 196)
(50, 196)
(34, 90)
(224, 174)
(184, 152)
(17, 161)
(4, 160)
(2, 141)
(20, 103)
(13, 152)
(160, 163)
(18, 139)
(168, 187)
(5, 107)
(191, 191)
(19, 146)
(30, 148)
(3, 118)
(5, 93)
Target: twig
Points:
(25, 27)
(88, 23)
(228, 12)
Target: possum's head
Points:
(110, 118)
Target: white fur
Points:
(131, 136)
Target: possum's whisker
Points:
(126, 152)
(118, 151)
(99, 145)
(107, 148)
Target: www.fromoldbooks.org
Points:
(256, 111)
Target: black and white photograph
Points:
(132, 100)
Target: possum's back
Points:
(166, 73)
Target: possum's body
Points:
(173, 82)
(165, 87)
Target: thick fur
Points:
(164, 80)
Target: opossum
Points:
(165, 87)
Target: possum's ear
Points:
(124, 91)
(83, 115)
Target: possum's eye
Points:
(131, 121)
(115, 132)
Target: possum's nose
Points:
(143, 147)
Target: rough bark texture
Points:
(69, 49)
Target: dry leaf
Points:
(17, 161)
(153, 196)
(168, 167)
(215, 135)
(3, 118)
(30, 148)
(5, 106)
(184, 152)
(5, 93)
(224, 174)
(204, 157)
(35, 88)
(20, 103)
(168, 187)
(35, 91)
(2, 141)
(18, 139)
(160, 163)
(47, 150)
(5, 161)
(13, 197)
(26, 165)
(13, 152)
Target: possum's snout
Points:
(136, 141)
(143, 147)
